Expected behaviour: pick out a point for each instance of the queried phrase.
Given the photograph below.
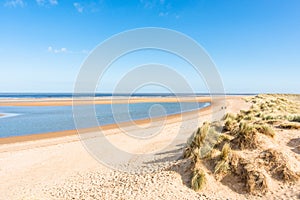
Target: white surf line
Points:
(6, 115)
(205, 105)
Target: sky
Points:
(255, 44)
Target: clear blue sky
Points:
(255, 44)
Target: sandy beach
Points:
(13, 147)
(149, 100)
(51, 167)
(96, 100)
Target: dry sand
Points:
(61, 168)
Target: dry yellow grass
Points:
(198, 180)
(265, 129)
(222, 165)
(242, 131)
(246, 137)
(289, 126)
(295, 118)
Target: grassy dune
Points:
(246, 148)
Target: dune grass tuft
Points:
(230, 125)
(228, 116)
(289, 126)
(265, 129)
(246, 137)
(187, 152)
(198, 180)
(226, 151)
(295, 118)
(222, 165)
(201, 134)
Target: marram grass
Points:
(198, 180)
(243, 131)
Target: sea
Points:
(27, 120)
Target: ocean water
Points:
(69, 95)
(44, 119)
